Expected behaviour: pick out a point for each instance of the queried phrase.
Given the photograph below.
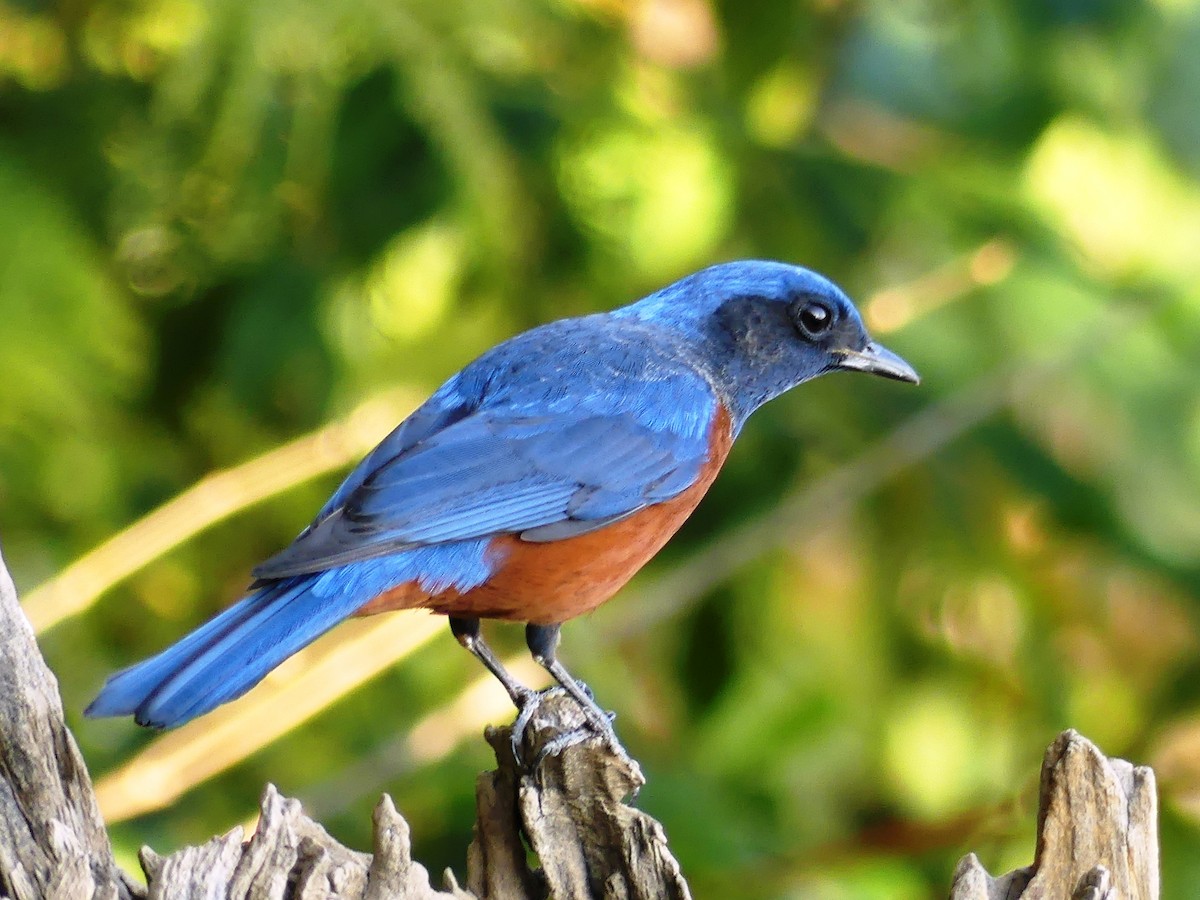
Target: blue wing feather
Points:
(490, 456)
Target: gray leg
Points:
(542, 641)
(467, 632)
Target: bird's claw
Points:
(567, 739)
(592, 727)
(527, 705)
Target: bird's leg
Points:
(468, 633)
(542, 641)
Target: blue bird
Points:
(531, 486)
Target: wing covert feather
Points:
(492, 472)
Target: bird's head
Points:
(765, 327)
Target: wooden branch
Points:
(1097, 824)
(1097, 833)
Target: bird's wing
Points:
(543, 477)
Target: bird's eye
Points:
(814, 318)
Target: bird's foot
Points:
(583, 733)
(596, 724)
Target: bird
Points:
(530, 487)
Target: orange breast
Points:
(548, 583)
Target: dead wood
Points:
(1097, 833)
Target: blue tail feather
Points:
(226, 657)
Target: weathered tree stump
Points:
(52, 838)
(1097, 833)
(1097, 830)
(570, 811)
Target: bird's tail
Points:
(224, 658)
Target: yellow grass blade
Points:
(212, 499)
(482, 703)
(299, 689)
(439, 733)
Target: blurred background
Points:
(240, 240)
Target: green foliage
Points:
(227, 223)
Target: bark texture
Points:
(1097, 823)
(1097, 833)
(52, 838)
(570, 812)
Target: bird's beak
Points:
(878, 360)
